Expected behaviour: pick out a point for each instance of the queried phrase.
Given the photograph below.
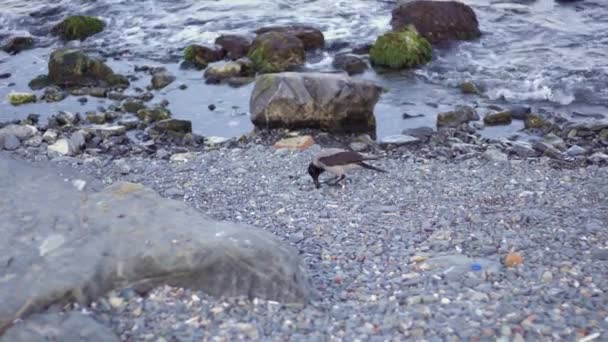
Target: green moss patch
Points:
(78, 27)
(401, 49)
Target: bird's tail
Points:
(367, 166)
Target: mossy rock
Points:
(39, 82)
(274, 52)
(72, 68)
(535, 121)
(401, 49)
(78, 27)
(200, 56)
(149, 115)
(17, 99)
(498, 118)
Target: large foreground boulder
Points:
(437, 21)
(334, 103)
(61, 245)
(276, 52)
(72, 68)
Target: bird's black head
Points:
(314, 172)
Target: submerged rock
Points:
(455, 118)
(17, 99)
(350, 63)
(311, 37)
(469, 88)
(535, 121)
(276, 52)
(498, 118)
(72, 68)
(162, 79)
(78, 27)
(39, 82)
(200, 56)
(17, 44)
(401, 49)
(235, 46)
(331, 102)
(437, 21)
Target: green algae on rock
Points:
(78, 27)
(276, 52)
(17, 99)
(400, 49)
(200, 56)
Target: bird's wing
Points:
(342, 158)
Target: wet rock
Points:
(455, 118)
(498, 118)
(171, 127)
(295, 143)
(70, 326)
(523, 149)
(40, 82)
(162, 79)
(235, 46)
(535, 121)
(547, 150)
(64, 118)
(520, 112)
(133, 106)
(200, 55)
(128, 236)
(350, 63)
(334, 103)
(406, 116)
(399, 140)
(54, 94)
(5, 75)
(273, 52)
(17, 44)
(96, 118)
(78, 27)
(422, 133)
(469, 88)
(17, 99)
(399, 50)
(223, 71)
(149, 115)
(311, 37)
(10, 142)
(72, 68)
(437, 21)
(575, 151)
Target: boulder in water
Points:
(73, 68)
(234, 46)
(276, 52)
(78, 27)
(400, 49)
(311, 37)
(331, 102)
(437, 21)
(200, 55)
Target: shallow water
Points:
(539, 53)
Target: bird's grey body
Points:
(338, 162)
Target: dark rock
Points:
(547, 150)
(311, 37)
(54, 94)
(273, 52)
(40, 82)
(18, 44)
(171, 127)
(362, 49)
(70, 326)
(78, 27)
(72, 68)
(535, 121)
(126, 236)
(132, 106)
(162, 79)
(406, 116)
(5, 75)
(498, 118)
(469, 88)
(98, 92)
(437, 21)
(520, 113)
(350, 63)
(200, 56)
(211, 107)
(331, 102)
(455, 118)
(235, 46)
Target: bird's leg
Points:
(331, 179)
(338, 180)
